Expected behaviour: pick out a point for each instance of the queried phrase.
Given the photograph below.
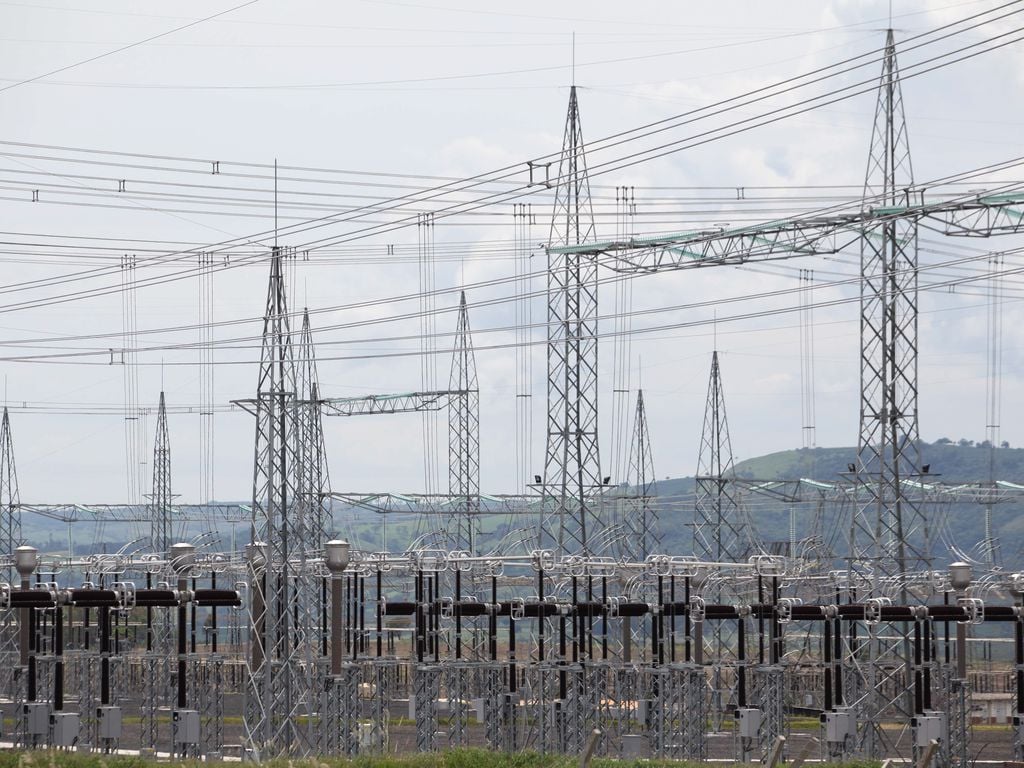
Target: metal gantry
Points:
(462, 399)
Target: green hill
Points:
(776, 521)
(962, 525)
(947, 461)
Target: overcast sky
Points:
(396, 94)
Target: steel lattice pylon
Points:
(721, 532)
(889, 527)
(10, 509)
(280, 697)
(889, 531)
(160, 645)
(315, 519)
(160, 534)
(641, 525)
(572, 465)
(10, 529)
(464, 438)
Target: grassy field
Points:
(459, 758)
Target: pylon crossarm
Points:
(977, 216)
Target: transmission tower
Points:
(888, 533)
(314, 523)
(572, 466)
(10, 502)
(640, 516)
(160, 534)
(464, 437)
(280, 706)
(889, 528)
(160, 627)
(10, 510)
(722, 532)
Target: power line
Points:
(123, 48)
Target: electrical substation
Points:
(578, 630)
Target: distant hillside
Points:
(775, 520)
(947, 461)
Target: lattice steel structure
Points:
(160, 534)
(314, 520)
(890, 531)
(159, 627)
(280, 696)
(10, 501)
(640, 516)
(464, 438)
(721, 531)
(572, 465)
(10, 531)
(461, 506)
